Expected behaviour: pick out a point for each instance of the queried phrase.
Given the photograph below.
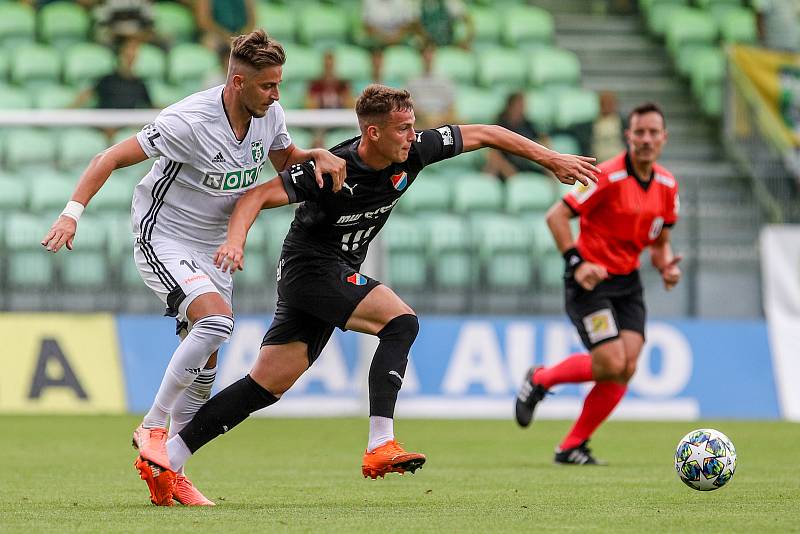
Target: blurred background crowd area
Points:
(471, 236)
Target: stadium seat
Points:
(63, 23)
(500, 233)
(540, 233)
(86, 62)
(303, 63)
(706, 70)
(77, 146)
(660, 12)
(718, 8)
(15, 193)
(352, 62)
(334, 136)
(565, 143)
(150, 62)
(277, 228)
(55, 97)
(279, 21)
(189, 63)
(688, 30)
(404, 232)
(738, 26)
(129, 274)
(576, 106)
(115, 195)
(14, 98)
(164, 94)
(25, 147)
(405, 239)
(540, 108)
(502, 68)
(554, 67)
(455, 64)
(407, 270)
(17, 24)
(35, 65)
(84, 270)
(301, 137)
(450, 252)
(427, 193)
(477, 194)
(24, 231)
(258, 270)
(527, 27)
(31, 269)
(174, 23)
(49, 194)
(322, 25)
(401, 63)
(487, 27)
(551, 270)
(478, 106)
(529, 192)
(509, 271)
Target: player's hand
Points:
(61, 233)
(589, 274)
(229, 257)
(327, 163)
(671, 274)
(570, 169)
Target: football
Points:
(705, 459)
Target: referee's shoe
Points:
(527, 398)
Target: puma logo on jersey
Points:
(219, 158)
(419, 136)
(350, 188)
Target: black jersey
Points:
(341, 225)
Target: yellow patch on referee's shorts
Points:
(600, 325)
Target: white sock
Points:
(381, 430)
(206, 336)
(178, 453)
(191, 400)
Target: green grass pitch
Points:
(67, 474)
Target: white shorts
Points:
(179, 274)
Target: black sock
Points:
(224, 411)
(389, 363)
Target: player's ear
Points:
(238, 81)
(373, 133)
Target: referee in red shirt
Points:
(632, 206)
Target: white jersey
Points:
(202, 169)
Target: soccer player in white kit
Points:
(211, 148)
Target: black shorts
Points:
(314, 297)
(614, 305)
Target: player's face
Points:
(396, 136)
(646, 136)
(260, 90)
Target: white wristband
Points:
(73, 210)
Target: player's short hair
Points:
(647, 107)
(378, 101)
(258, 50)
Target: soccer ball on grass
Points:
(705, 459)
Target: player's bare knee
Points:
(608, 363)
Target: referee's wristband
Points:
(73, 210)
(572, 258)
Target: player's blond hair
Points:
(258, 50)
(378, 101)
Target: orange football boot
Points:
(160, 482)
(152, 445)
(390, 458)
(186, 494)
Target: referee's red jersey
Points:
(620, 215)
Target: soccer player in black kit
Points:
(319, 283)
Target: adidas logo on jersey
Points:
(219, 158)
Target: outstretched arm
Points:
(230, 255)
(566, 167)
(123, 154)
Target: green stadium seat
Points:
(661, 11)
(565, 143)
(455, 64)
(738, 26)
(14, 98)
(405, 240)
(404, 232)
(407, 270)
(322, 25)
(352, 62)
(551, 270)
(530, 192)
(718, 8)
(26, 147)
(15, 193)
(687, 30)
(477, 193)
(84, 63)
(63, 23)
(478, 106)
(151, 62)
(706, 69)
(129, 274)
(123, 134)
(500, 233)
(189, 63)
(450, 251)
(92, 234)
(77, 146)
(174, 23)
(576, 106)
(527, 27)
(487, 27)
(334, 136)
(427, 193)
(279, 21)
(117, 223)
(35, 65)
(401, 63)
(536, 225)
(49, 194)
(540, 108)
(509, 271)
(84, 270)
(55, 97)
(301, 137)
(303, 63)
(31, 269)
(24, 231)
(115, 195)
(502, 68)
(554, 67)
(278, 223)
(17, 24)
(164, 94)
